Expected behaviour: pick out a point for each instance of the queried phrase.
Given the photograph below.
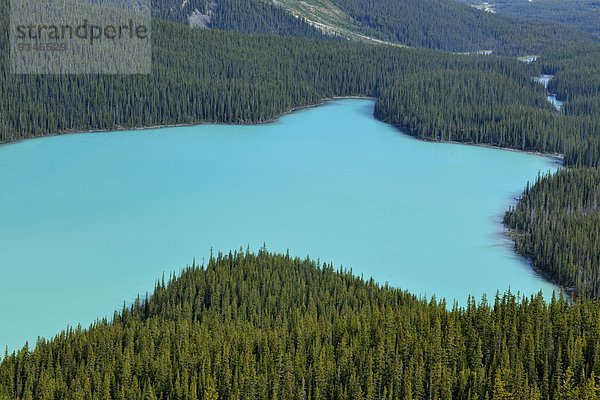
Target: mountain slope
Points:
(439, 24)
(451, 26)
(581, 14)
(249, 16)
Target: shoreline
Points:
(512, 234)
(190, 124)
(554, 156)
(504, 231)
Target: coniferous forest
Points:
(451, 26)
(249, 16)
(557, 224)
(268, 326)
(439, 24)
(213, 76)
(582, 14)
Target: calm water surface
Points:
(88, 221)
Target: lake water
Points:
(88, 221)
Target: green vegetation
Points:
(261, 17)
(486, 108)
(451, 26)
(577, 78)
(213, 76)
(250, 16)
(179, 10)
(438, 24)
(480, 107)
(557, 221)
(268, 326)
(582, 14)
(328, 18)
(557, 224)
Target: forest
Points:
(582, 14)
(450, 26)
(487, 108)
(438, 24)
(248, 16)
(557, 224)
(215, 76)
(269, 326)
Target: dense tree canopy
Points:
(486, 108)
(451, 26)
(582, 14)
(439, 24)
(215, 76)
(268, 326)
(250, 16)
(557, 223)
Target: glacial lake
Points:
(87, 221)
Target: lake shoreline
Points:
(169, 183)
(512, 234)
(558, 158)
(190, 124)
(554, 156)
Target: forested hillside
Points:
(582, 14)
(261, 17)
(452, 26)
(439, 24)
(213, 76)
(557, 224)
(268, 326)
(250, 16)
(484, 108)
(577, 78)
(179, 10)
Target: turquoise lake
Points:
(87, 221)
